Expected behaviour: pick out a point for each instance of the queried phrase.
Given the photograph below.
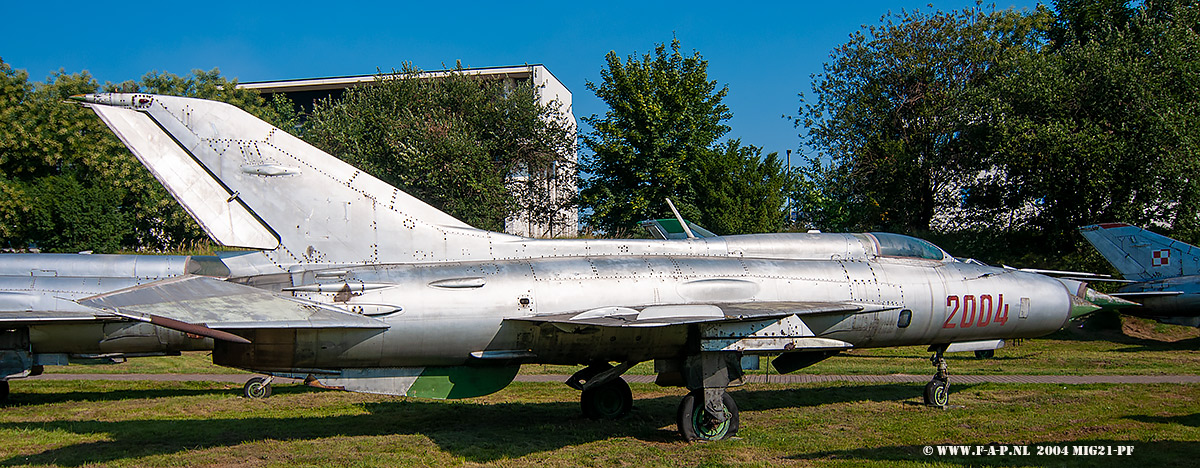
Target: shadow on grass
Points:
(16, 398)
(1191, 420)
(477, 432)
(1190, 344)
(952, 357)
(1158, 453)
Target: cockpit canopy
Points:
(897, 245)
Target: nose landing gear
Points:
(937, 391)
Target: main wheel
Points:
(937, 393)
(3, 391)
(610, 400)
(696, 424)
(256, 388)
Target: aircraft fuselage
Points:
(439, 315)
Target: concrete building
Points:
(304, 92)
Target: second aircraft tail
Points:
(1141, 255)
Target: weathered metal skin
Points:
(38, 293)
(442, 326)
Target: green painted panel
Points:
(462, 381)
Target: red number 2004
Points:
(976, 311)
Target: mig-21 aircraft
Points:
(356, 285)
(1161, 274)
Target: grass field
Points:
(92, 423)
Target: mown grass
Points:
(190, 362)
(88, 423)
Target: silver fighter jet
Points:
(358, 286)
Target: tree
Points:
(1101, 127)
(61, 170)
(899, 113)
(480, 150)
(664, 116)
(738, 191)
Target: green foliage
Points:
(738, 191)
(1103, 127)
(1015, 127)
(54, 158)
(897, 115)
(664, 117)
(68, 216)
(464, 145)
(68, 183)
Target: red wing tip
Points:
(1112, 225)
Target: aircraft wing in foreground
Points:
(362, 287)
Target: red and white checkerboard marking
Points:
(1161, 258)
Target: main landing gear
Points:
(708, 412)
(3, 391)
(258, 388)
(605, 394)
(937, 391)
(698, 422)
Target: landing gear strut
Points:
(605, 394)
(937, 391)
(257, 387)
(708, 412)
(697, 423)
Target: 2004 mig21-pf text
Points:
(358, 286)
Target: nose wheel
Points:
(257, 388)
(937, 391)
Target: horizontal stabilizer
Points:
(665, 315)
(221, 304)
(1145, 294)
(12, 318)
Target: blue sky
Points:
(764, 52)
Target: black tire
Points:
(611, 400)
(937, 393)
(694, 423)
(3, 391)
(256, 388)
(985, 354)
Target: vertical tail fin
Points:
(252, 185)
(1141, 255)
